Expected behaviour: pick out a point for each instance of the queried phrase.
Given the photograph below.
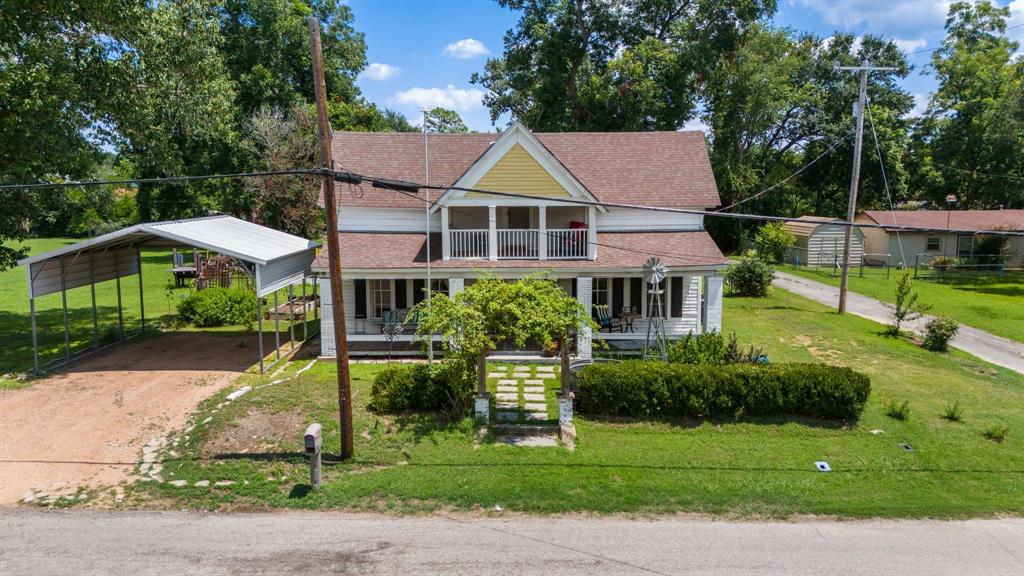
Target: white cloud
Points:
(920, 105)
(696, 124)
(1016, 19)
(466, 48)
(458, 99)
(910, 45)
(881, 16)
(381, 72)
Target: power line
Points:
(787, 178)
(885, 179)
(159, 180)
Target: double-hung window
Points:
(600, 292)
(933, 244)
(380, 297)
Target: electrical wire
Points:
(885, 180)
(158, 180)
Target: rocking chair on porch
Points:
(605, 319)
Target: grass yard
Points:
(161, 300)
(986, 301)
(751, 468)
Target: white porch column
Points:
(592, 233)
(455, 285)
(446, 237)
(492, 232)
(542, 238)
(713, 304)
(585, 295)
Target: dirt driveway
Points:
(87, 425)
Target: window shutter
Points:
(574, 295)
(418, 295)
(360, 298)
(617, 289)
(401, 298)
(636, 294)
(677, 296)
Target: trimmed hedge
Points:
(656, 389)
(219, 307)
(421, 387)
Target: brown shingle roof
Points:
(957, 219)
(382, 251)
(656, 168)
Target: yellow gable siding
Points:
(518, 172)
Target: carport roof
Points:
(224, 234)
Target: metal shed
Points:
(273, 259)
(819, 242)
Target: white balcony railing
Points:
(518, 244)
(567, 244)
(469, 243)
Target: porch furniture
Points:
(180, 270)
(628, 316)
(605, 319)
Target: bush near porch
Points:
(422, 388)
(656, 389)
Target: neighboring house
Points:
(939, 241)
(819, 242)
(595, 252)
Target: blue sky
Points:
(423, 52)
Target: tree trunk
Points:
(565, 367)
(481, 373)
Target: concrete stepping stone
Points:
(508, 416)
(507, 405)
(534, 381)
(545, 368)
(545, 375)
(528, 441)
(507, 396)
(533, 389)
(202, 483)
(536, 407)
(533, 397)
(178, 483)
(496, 374)
(508, 383)
(509, 389)
(534, 416)
(521, 375)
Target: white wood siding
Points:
(358, 219)
(626, 219)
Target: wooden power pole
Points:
(333, 244)
(851, 209)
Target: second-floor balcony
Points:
(518, 233)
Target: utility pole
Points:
(333, 244)
(426, 181)
(851, 210)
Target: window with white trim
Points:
(439, 286)
(933, 244)
(600, 292)
(380, 297)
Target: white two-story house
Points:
(595, 251)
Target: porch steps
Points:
(521, 410)
(529, 435)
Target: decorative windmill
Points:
(654, 272)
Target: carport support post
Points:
(305, 316)
(35, 335)
(277, 331)
(92, 293)
(64, 307)
(291, 317)
(117, 280)
(259, 324)
(142, 305)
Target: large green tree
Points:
(970, 141)
(612, 65)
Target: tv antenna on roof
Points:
(655, 273)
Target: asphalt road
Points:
(989, 347)
(142, 543)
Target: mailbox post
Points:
(314, 443)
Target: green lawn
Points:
(985, 301)
(15, 327)
(420, 463)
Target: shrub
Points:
(906, 307)
(421, 387)
(773, 239)
(703, 349)
(953, 412)
(219, 307)
(996, 433)
(656, 389)
(940, 263)
(751, 277)
(938, 332)
(898, 410)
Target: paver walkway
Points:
(988, 347)
(521, 405)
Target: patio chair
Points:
(605, 319)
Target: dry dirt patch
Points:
(256, 432)
(86, 425)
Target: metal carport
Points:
(273, 259)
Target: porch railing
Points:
(518, 244)
(469, 243)
(567, 243)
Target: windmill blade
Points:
(654, 270)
